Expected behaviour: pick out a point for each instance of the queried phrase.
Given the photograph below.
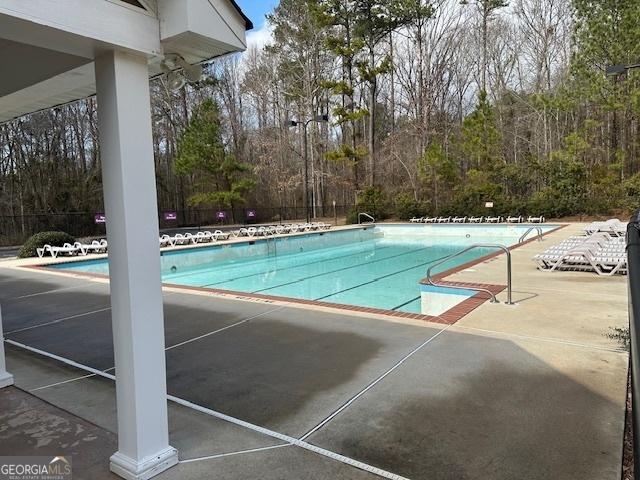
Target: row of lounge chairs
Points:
(613, 227)
(262, 231)
(599, 252)
(509, 219)
(78, 248)
(192, 238)
(101, 246)
(280, 229)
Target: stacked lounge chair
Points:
(600, 252)
(613, 227)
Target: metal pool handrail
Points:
(362, 214)
(472, 247)
(537, 229)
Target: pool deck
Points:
(531, 391)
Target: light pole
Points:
(295, 123)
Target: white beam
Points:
(6, 379)
(80, 27)
(124, 120)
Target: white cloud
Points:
(261, 37)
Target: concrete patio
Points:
(531, 391)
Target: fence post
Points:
(6, 379)
(633, 265)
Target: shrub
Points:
(621, 335)
(39, 240)
(372, 201)
(352, 217)
(408, 207)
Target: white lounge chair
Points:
(220, 235)
(66, 249)
(539, 219)
(166, 241)
(93, 247)
(517, 219)
(187, 238)
(476, 219)
(612, 226)
(242, 232)
(458, 219)
(204, 237)
(493, 219)
(599, 253)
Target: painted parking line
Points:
(355, 398)
(255, 428)
(63, 289)
(53, 322)
(71, 380)
(559, 341)
(239, 452)
(245, 320)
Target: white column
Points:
(6, 379)
(128, 175)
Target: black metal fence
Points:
(633, 265)
(15, 229)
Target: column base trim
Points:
(6, 379)
(129, 469)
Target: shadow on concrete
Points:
(18, 284)
(498, 412)
(519, 297)
(88, 339)
(28, 312)
(267, 372)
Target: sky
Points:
(256, 11)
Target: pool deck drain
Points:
(535, 390)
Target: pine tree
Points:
(218, 178)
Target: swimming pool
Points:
(373, 267)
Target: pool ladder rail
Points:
(538, 230)
(366, 215)
(494, 299)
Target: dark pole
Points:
(633, 265)
(306, 173)
(294, 123)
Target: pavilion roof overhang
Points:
(48, 46)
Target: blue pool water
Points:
(377, 267)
